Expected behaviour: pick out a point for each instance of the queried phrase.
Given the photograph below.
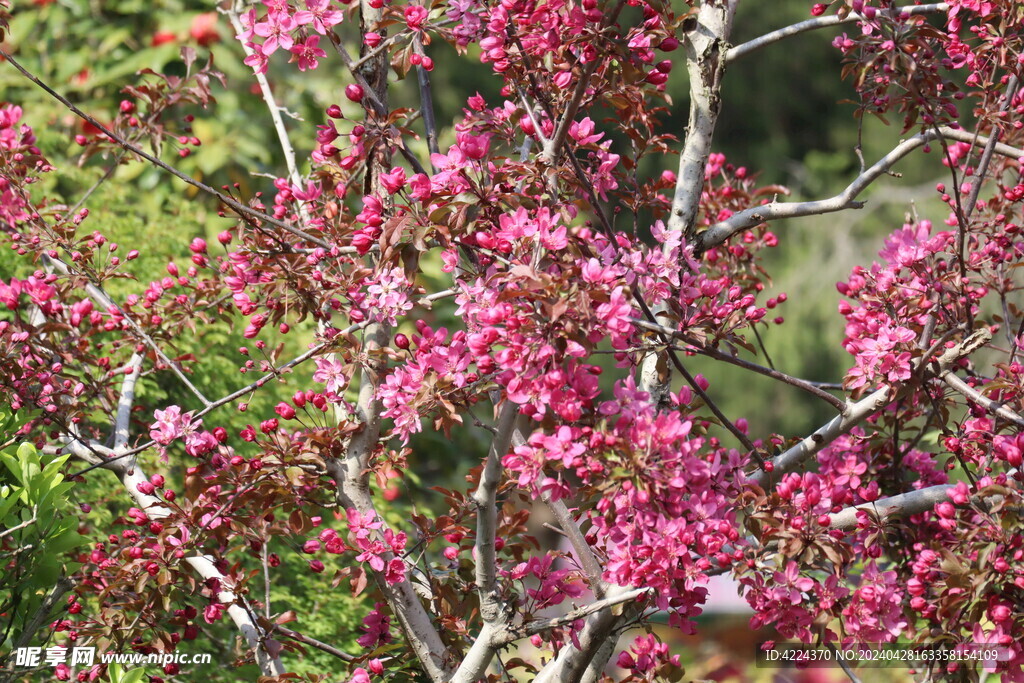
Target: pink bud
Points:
(354, 92)
(224, 238)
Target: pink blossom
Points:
(319, 14)
(276, 30)
(308, 53)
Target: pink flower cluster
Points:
(171, 424)
(552, 586)
(298, 32)
(378, 549)
(892, 300)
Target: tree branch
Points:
(487, 514)
(313, 642)
(705, 48)
(584, 553)
(426, 100)
(126, 401)
(858, 412)
(746, 48)
(985, 402)
(990, 148)
(224, 199)
(619, 597)
(809, 387)
(755, 215)
(902, 505)
(268, 97)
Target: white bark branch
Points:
(621, 596)
(584, 553)
(126, 401)
(487, 514)
(902, 505)
(985, 402)
(352, 478)
(819, 22)
(847, 199)
(705, 62)
(271, 102)
(858, 412)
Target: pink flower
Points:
(331, 373)
(169, 425)
(394, 180)
(9, 293)
(276, 30)
(473, 146)
(320, 15)
(415, 15)
(308, 53)
(388, 296)
(377, 629)
(213, 612)
(583, 132)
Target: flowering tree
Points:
(559, 254)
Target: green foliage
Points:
(36, 534)
(117, 674)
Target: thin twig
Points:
(755, 215)
(225, 199)
(313, 642)
(810, 387)
(533, 627)
(819, 22)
